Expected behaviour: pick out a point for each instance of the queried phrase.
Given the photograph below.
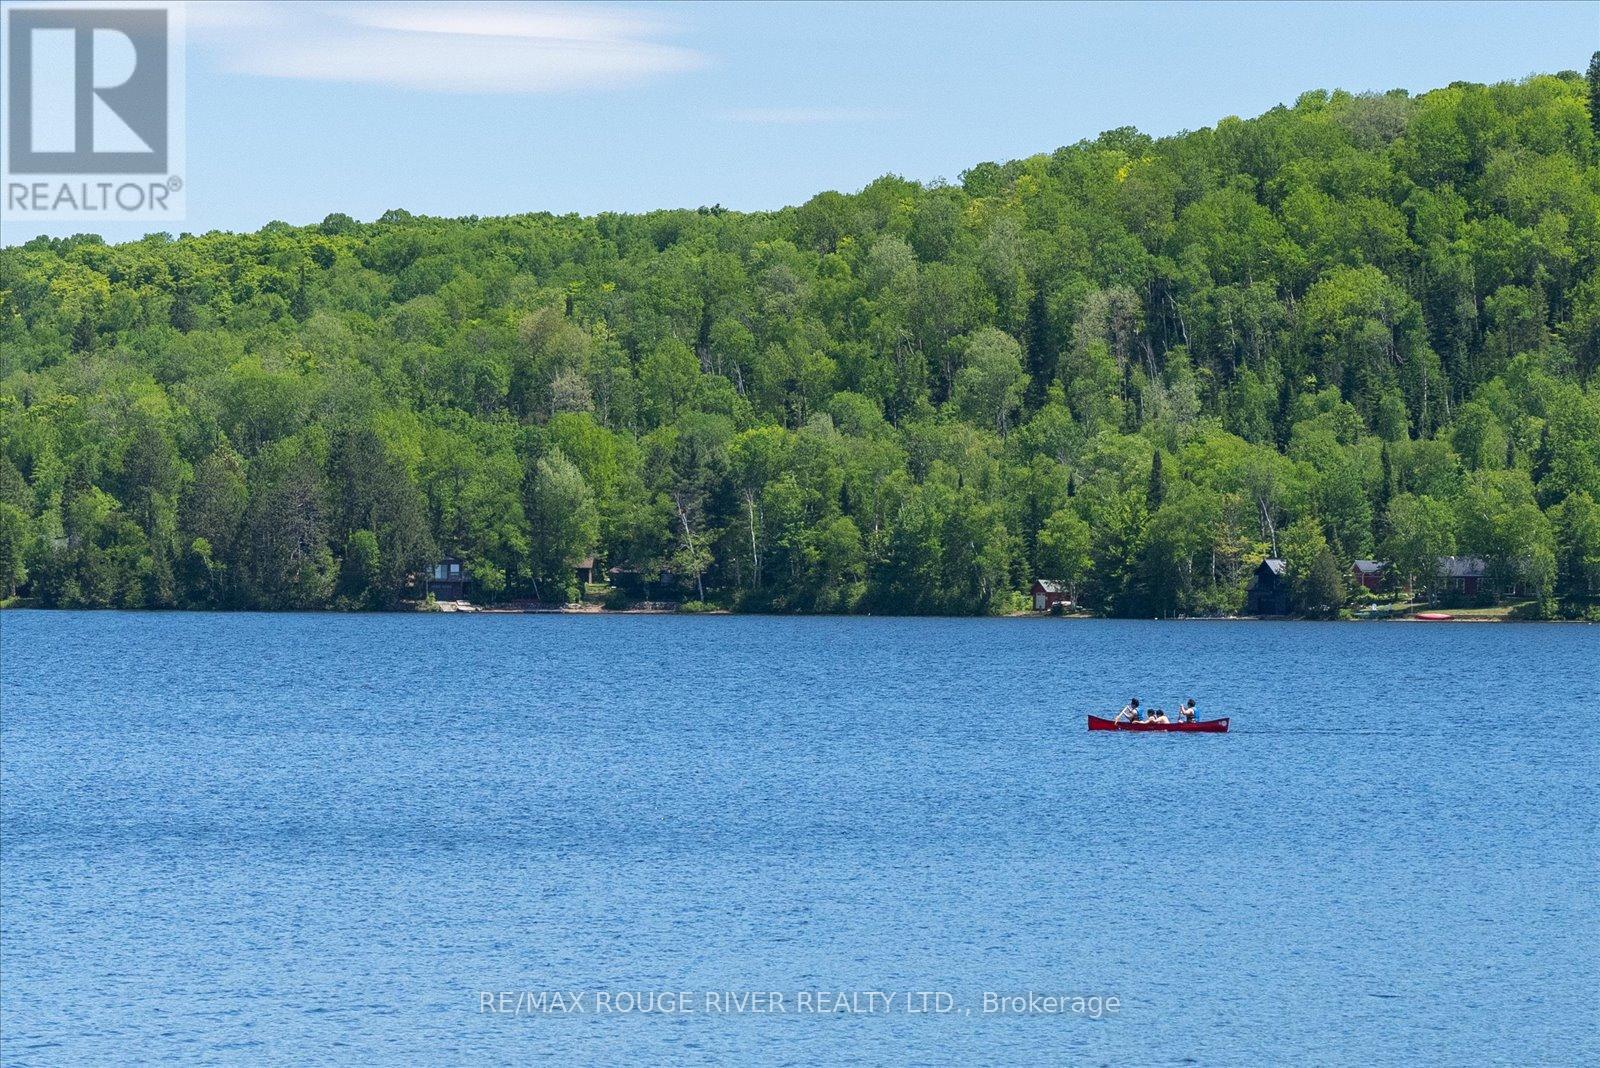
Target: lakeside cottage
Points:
(1458, 577)
(630, 580)
(1369, 574)
(1461, 575)
(1268, 593)
(1047, 593)
(448, 579)
(643, 584)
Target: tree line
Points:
(1358, 326)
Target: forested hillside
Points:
(1358, 326)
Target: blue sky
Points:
(298, 110)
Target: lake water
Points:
(323, 839)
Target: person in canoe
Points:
(1131, 712)
(1186, 712)
(1158, 716)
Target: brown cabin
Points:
(448, 580)
(1268, 594)
(644, 585)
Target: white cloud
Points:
(505, 20)
(804, 116)
(484, 47)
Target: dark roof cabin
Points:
(1268, 593)
(1369, 574)
(636, 583)
(448, 579)
(1462, 574)
(627, 579)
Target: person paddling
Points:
(1130, 713)
(1186, 712)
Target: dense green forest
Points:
(1360, 326)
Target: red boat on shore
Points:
(1203, 726)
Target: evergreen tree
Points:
(1156, 489)
(1385, 494)
(1594, 93)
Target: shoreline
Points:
(1475, 616)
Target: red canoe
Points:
(1204, 726)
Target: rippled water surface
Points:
(320, 839)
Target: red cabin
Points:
(1047, 593)
(1461, 575)
(1369, 574)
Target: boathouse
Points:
(1268, 592)
(448, 580)
(1047, 593)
